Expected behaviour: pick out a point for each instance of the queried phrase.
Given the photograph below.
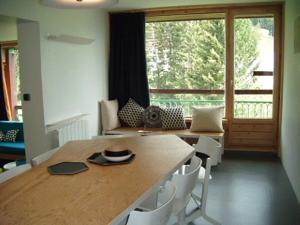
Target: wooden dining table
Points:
(101, 195)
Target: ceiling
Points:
(69, 4)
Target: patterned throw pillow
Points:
(11, 135)
(2, 136)
(151, 117)
(132, 114)
(172, 118)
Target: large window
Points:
(228, 55)
(186, 62)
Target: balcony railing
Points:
(242, 109)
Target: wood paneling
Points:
(251, 134)
(252, 127)
(267, 8)
(241, 142)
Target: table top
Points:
(100, 195)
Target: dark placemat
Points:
(67, 168)
(98, 158)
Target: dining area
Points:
(151, 186)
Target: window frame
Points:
(229, 12)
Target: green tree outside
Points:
(191, 55)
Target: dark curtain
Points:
(3, 113)
(127, 59)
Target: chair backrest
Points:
(186, 181)
(115, 136)
(14, 172)
(207, 161)
(210, 147)
(43, 157)
(160, 215)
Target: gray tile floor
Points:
(249, 189)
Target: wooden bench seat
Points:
(185, 133)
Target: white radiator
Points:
(74, 128)
(77, 130)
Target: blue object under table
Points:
(12, 150)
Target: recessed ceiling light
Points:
(79, 3)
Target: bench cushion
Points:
(109, 114)
(12, 147)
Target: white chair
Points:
(14, 172)
(43, 157)
(200, 209)
(161, 214)
(185, 181)
(210, 147)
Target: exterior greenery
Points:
(186, 54)
(191, 55)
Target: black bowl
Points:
(111, 153)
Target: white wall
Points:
(74, 77)
(31, 80)
(8, 29)
(290, 132)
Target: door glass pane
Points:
(253, 67)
